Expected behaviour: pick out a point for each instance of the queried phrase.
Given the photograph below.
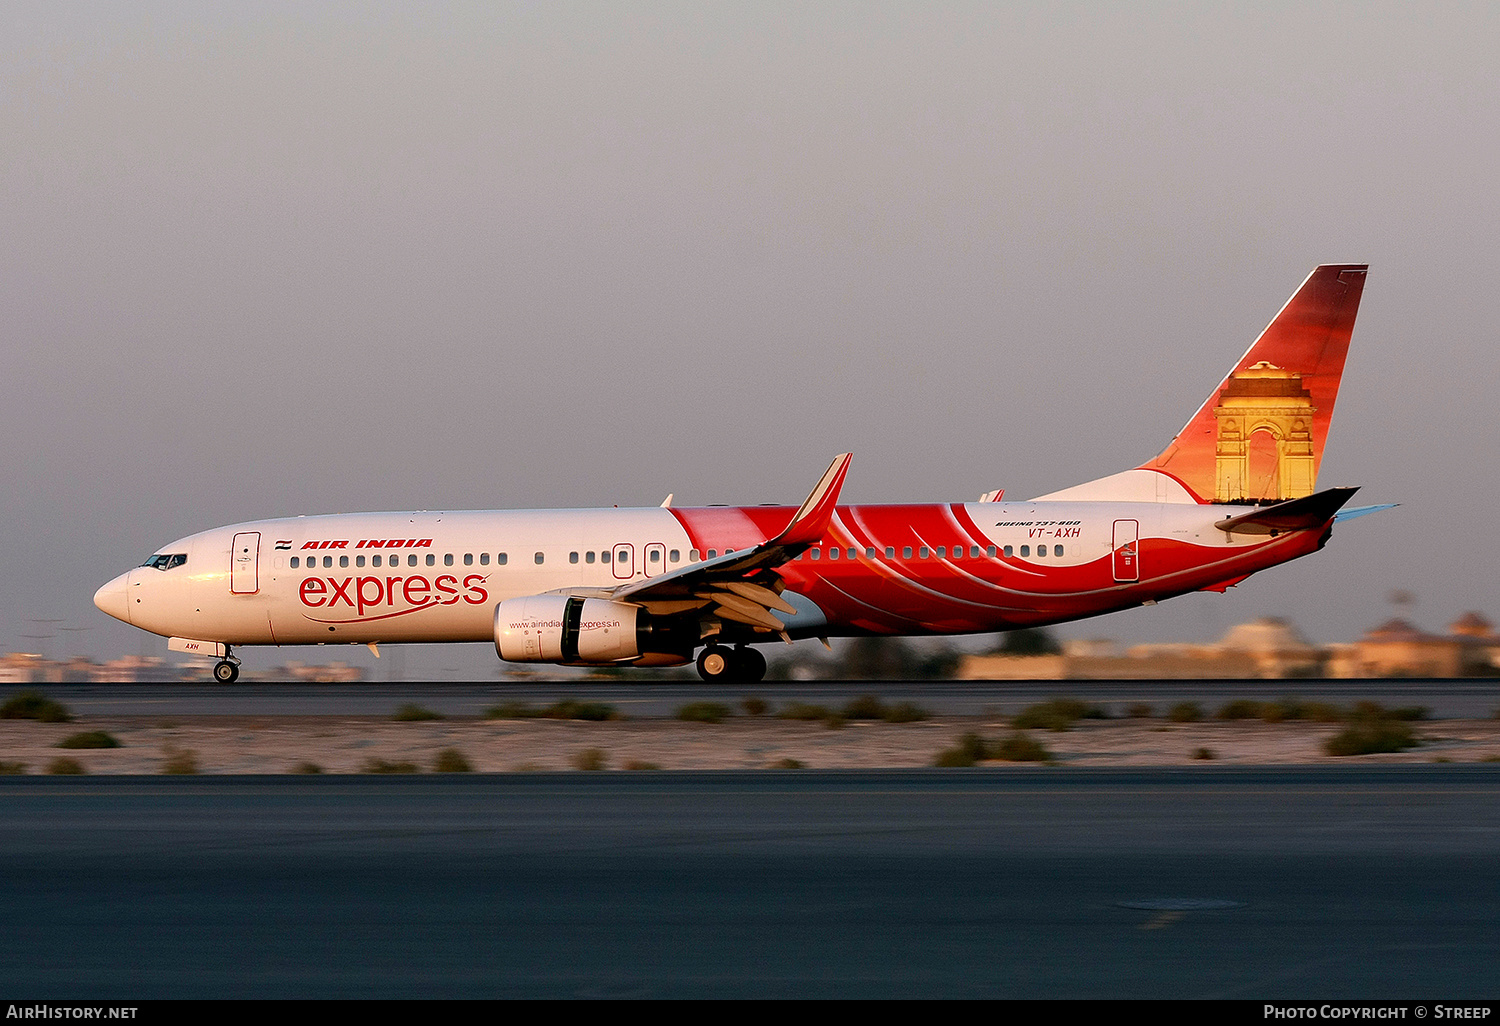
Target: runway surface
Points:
(1357, 882)
(1445, 698)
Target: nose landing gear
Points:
(720, 665)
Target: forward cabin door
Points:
(1127, 550)
(624, 561)
(244, 564)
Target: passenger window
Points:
(359, 560)
(991, 552)
(375, 561)
(890, 552)
(539, 558)
(922, 552)
(654, 555)
(675, 555)
(692, 555)
(572, 557)
(431, 559)
(942, 551)
(411, 559)
(468, 559)
(1041, 550)
(501, 558)
(447, 559)
(328, 562)
(1025, 550)
(1009, 552)
(589, 557)
(604, 556)
(815, 554)
(833, 552)
(484, 559)
(296, 562)
(974, 551)
(1057, 550)
(906, 552)
(713, 553)
(853, 553)
(870, 553)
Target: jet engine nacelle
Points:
(562, 629)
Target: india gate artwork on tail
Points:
(1259, 437)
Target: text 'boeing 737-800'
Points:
(1234, 493)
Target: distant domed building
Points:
(1279, 649)
(1397, 648)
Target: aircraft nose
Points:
(114, 599)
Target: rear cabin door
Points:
(244, 564)
(1127, 550)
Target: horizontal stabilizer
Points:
(1302, 514)
(1362, 511)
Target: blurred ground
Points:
(257, 744)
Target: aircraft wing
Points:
(743, 586)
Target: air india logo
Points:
(1264, 449)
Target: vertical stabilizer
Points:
(1259, 436)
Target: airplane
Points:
(1232, 494)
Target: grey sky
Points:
(283, 259)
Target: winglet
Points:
(812, 518)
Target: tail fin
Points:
(1259, 436)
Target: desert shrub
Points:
(1206, 753)
(1185, 712)
(382, 766)
(704, 712)
(31, 704)
(865, 707)
(589, 759)
(789, 764)
(566, 709)
(952, 758)
(179, 762)
(1374, 712)
(754, 706)
(451, 760)
(11, 769)
(906, 712)
(307, 767)
(1242, 709)
(803, 711)
(637, 764)
(1019, 747)
(1140, 711)
(1058, 714)
(63, 766)
(1371, 736)
(969, 749)
(411, 713)
(89, 739)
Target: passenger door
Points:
(244, 564)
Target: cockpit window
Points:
(166, 561)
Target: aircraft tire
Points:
(752, 665)
(716, 665)
(226, 672)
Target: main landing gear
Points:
(227, 670)
(719, 665)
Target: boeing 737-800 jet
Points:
(1234, 493)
